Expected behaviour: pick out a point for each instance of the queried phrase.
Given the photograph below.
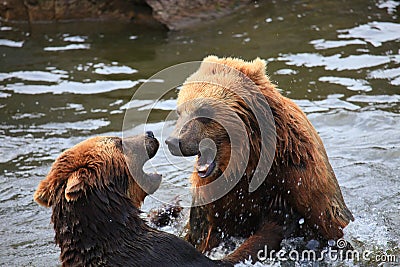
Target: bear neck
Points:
(240, 220)
(96, 227)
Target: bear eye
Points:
(204, 120)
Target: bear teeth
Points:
(203, 168)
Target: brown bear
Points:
(94, 194)
(298, 189)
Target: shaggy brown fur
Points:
(300, 185)
(94, 195)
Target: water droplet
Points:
(301, 221)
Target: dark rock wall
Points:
(63, 10)
(174, 14)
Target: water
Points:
(62, 83)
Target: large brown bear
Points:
(93, 191)
(300, 191)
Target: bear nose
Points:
(150, 134)
(172, 142)
(173, 146)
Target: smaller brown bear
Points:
(93, 191)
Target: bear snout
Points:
(152, 144)
(174, 146)
(181, 147)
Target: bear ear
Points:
(43, 194)
(75, 185)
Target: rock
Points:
(66, 10)
(13, 10)
(177, 14)
(174, 14)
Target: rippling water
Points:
(62, 83)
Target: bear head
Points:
(225, 120)
(97, 163)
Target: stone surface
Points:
(64, 10)
(177, 14)
(174, 14)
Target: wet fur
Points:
(300, 183)
(95, 203)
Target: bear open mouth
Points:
(151, 181)
(205, 164)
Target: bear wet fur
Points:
(95, 201)
(300, 192)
